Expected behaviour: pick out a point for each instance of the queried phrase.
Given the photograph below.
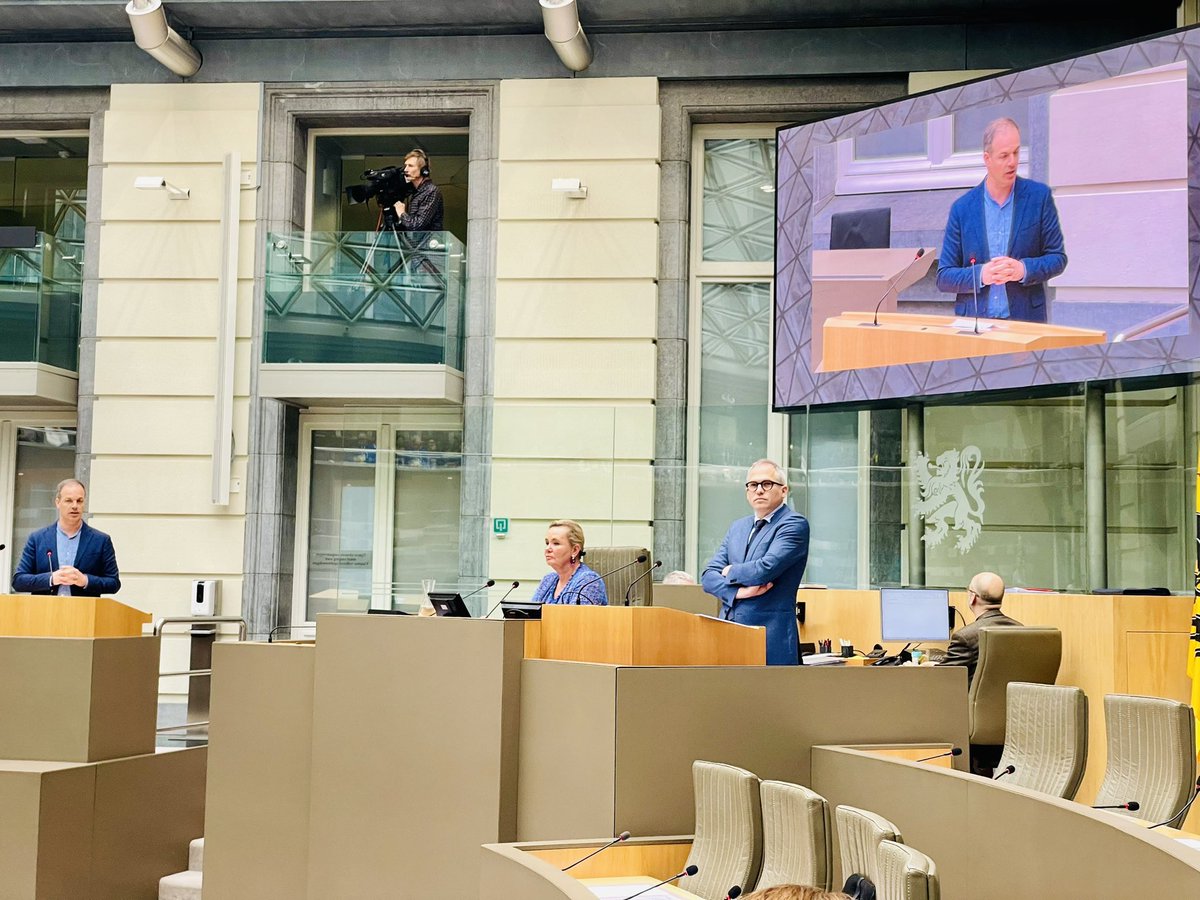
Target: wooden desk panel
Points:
(657, 859)
(30, 615)
(1112, 643)
(902, 338)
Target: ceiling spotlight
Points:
(560, 19)
(158, 183)
(151, 32)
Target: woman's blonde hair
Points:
(795, 892)
(574, 531)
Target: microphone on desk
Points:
(623, 836)
(734, 892)
(1132, 806)
(954, 751)
(490, 582)
(578, 592)
(975, 291)
(874, 323)
(689, 871)
(1186, 807)
(628, 590)
(1008, 770)
(515, 585)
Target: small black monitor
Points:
(914, 614)
(521, 610)
(861, 229)
(449, 604)
(387, 612)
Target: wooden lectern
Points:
(859, 281)
(38, 615)
(644, 636)
(853, 342)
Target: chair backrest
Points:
(727, 846)
(859, 833)
(606, 559)
(1151, 754)
(861, 229)
(905, 874)
(796, 837)
(1045, 738)
(1008, 653)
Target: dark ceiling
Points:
(101, 20)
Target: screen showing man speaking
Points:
(1027, 229)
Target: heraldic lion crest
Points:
(951, 496)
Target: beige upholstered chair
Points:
(606, 559)
(1045, 738)
(727, 846)
(796, 838)
(859, 833)
(905, 874)
(1151, 755)
(1008, 653)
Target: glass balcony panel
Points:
(364, 297)
(40, 291)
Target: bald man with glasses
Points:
(984, 594)
(759, 565)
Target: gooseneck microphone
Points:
(578, 592)
(50, 563)
(975, 291)
(1186, 807)
(689, 871)
(1008, 770)
(874, 323)
(623, 836)
(954, 751)
(515, 585)
(734, 892)
(490, 582)
(629, 590)
(1132, 806)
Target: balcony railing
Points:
(363, 297)
(40, 290)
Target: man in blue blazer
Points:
(758, 566)
(69, 557)
(1002, 239)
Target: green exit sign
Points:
(499, 526)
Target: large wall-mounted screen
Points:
(1035, 228)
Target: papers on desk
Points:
(824, 659)
(621, 891)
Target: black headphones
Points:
(417, 151)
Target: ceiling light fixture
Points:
(152, 33)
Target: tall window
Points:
(732, 253)
(36, 453)
(378, 508)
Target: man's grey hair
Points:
(779, 476)
(989, 133)
(62, 484)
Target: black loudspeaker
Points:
(801, 609)
(950, 609)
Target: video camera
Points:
(387, 185)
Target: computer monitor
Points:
(914, 614)
(449, 604)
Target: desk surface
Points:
(620, 888)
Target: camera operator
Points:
(423, 209)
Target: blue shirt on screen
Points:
(998, 218)
(585, 587)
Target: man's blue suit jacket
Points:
(95, 558)
(1035, 239)
(778, 554)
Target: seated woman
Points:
(571, 581)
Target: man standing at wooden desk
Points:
(758, 567)
(69, 557)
